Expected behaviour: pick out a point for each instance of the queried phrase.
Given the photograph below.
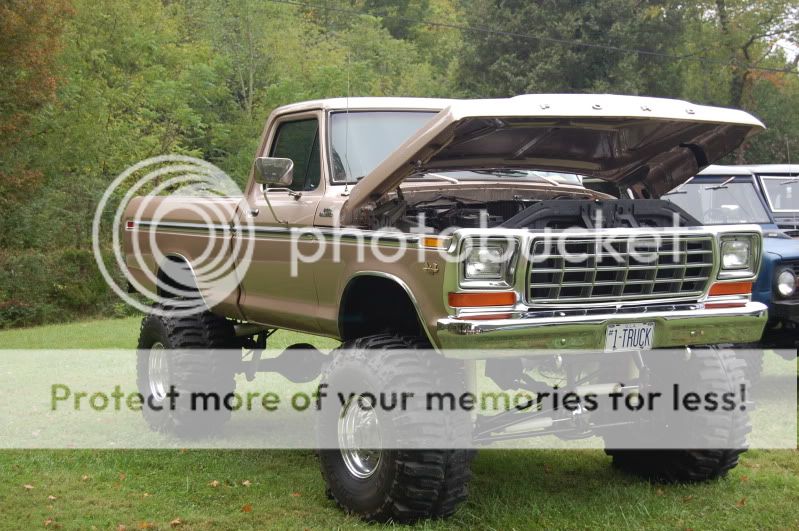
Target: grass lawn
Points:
(145, 489)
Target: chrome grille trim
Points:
(664, 267)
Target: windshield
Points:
(360, 140)
(729, 200)
(782, 192)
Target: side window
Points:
(299, 141)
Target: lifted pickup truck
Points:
(497, 178)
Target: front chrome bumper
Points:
(675, 326)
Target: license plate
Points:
(629, 336)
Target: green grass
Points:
(116, 333)
(511, 489)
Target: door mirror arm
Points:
(274, 171)
(268, 204)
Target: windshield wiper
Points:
(679, 188)
(501, 171)
(722, 185)
(510, 172)
(790, 181)
(550, 180)
(447, 178)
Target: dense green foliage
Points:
(88, 88)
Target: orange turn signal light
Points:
(730, 288)
(483, 298)
(435, 242)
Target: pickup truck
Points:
(475, 190)
(728, 195)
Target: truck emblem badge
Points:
(326, 213)
(431, 268)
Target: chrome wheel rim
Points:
(158, 371)
(359, 438)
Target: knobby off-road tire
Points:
(718, 370)
(188, 369)
(406, 484)
(753, 357)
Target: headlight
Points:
(488, 265)
(739, 256)
(485, 262)
(736, 254)
(786, 283)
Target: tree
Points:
(750, 33)
(30, 40)
(740, 63)
(570, 46)
(400, 17)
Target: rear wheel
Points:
(719, 370)
(181, 356)
(402, 485)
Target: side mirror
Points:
(273, 170)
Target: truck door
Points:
(272, 292)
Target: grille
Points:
(606, 269)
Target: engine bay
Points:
(448, 211)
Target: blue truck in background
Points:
(767, 195)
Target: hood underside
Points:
(648, 144)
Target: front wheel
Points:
(719, 438)
(363, 474)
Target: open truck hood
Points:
(648, 144)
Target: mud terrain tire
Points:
(722, 371)
(407, 484)
(177, 342)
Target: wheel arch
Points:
(355, 318)
(182, 276)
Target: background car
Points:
(747, 194)
(779, 185)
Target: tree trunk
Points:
(740, 72)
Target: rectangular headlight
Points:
(485, 263)
(736, 254)
(488, 264)
(739, 255)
